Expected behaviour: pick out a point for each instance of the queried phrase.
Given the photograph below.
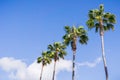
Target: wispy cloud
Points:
(90, 64)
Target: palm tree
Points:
(101, 21)
(57, 50)
(44, 59)
(71, 36)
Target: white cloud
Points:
(90, 64)
(19, 70)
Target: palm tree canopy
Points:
(73, 32)
(98, 15)
(57, 50)
(45, 58)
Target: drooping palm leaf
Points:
(98, 15)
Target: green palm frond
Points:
(90, 23)
(47, 60)
(100, 17)
(44, 53)
(67, 29)
(105, 21)
(101, 8)
(91, 14)
(56, 44)
(76, 33)
(97, 27)
(62, 54)
(63, 46)
(51, 54)
(50, 47)
(83, 39)
(80, 30)
(58, 51)
(112, 19)
(105, 28)
(110, 26)
(74, 29)
(66, 39)
(39, 59)
(106, 15)
(96, 12)
(44, 59)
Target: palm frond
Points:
(62, 54)
(67, 29)
(66, 39)
(101, 7)
(96, 27)
(105, 21)
(44, 59)
(50, 47)
(56, 44)
(90, 23)
(110, 26)
(100, 16)
(79, 31)
(105, 28)
(51, 54)
(91, 14)
(63, 46)
(58, 48)
(44, 53)
(112, 19)
(83, 39)
(39, 59)
(106, 15)
(74, 29)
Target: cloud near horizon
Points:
(19, 70)
(90, 64)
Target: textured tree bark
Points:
(41, 72)
(54, 71)
(73, 67)
(103, 56)
(103, 51)
(74, 47)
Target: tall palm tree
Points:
(101, 21)
(71, 36)
(57, 50)
(44, 59)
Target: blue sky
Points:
(28, 26)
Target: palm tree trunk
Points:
(103, 56)
(41, 72)
(54, 71)
(73, 67)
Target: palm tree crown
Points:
(45, 58)
(98, 18)
(57, 50)
(72, 34)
